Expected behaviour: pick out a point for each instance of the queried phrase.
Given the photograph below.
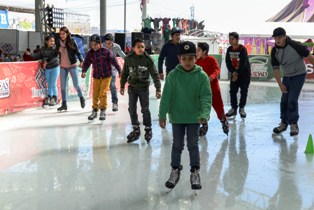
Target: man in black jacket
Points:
(288, 54)
(169, 52)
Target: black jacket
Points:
(50, 55)
(71, 52)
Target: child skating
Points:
(211, 68)
(137, 69)
(101, 59)
(187, 99)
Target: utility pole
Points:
(38, 15)
(192, 12)
(144, 10)
(103, 17)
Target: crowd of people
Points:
(191, 85)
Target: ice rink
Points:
(60, 161)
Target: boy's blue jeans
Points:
(64, 72)
(289, 108)
(52, 77)
(113, 89)
(143, 96)
(179, 131)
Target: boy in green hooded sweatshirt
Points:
(187, 98)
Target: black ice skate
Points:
(134, 135)
(225, 126)
(53, 101)
(203, 130)
(102, 115)
(46, 101)
(148, 134)
(93, 115)
(63, 107)
(294, 129)
(82, 101)
(195, 180)
(281, 128)
(231, 113)
(173, 179)
(242, 113)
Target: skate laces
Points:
(282, 126)
(294, 127)
(242, 111)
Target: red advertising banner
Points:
(309, 70)
(22, 85)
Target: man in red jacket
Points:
(211, 67)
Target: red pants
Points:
(217, 102)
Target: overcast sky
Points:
(244, 16)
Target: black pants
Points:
(234, 88)
(143, 95)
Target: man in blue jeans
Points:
(288, 54)
(116, 50)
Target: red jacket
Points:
(211, 67)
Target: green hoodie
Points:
(186, 96)
(136, 71)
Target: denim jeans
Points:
(179, 131)
(143, 95)
(234, 88)
(289, 108)
(113, 89)
(64, 72)
(52, 77)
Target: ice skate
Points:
(148, 134)
(93, 115)
(134, 135)
(203, 130)
(195, 180)
(46, 101)
(53, 101)
(102, 115)
(294, 129)
(173, 179)
(281, 128)
(232, 113)
(115, 107)
(242, 113)
(225, 126)
(63, 107)
(82, 101)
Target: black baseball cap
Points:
(109, 37)
(175, 30)
(279, 32)
(95, 38)
(187, 47)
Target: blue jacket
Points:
(170, 52)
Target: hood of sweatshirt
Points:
(196, 68)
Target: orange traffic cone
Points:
(309, 146)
